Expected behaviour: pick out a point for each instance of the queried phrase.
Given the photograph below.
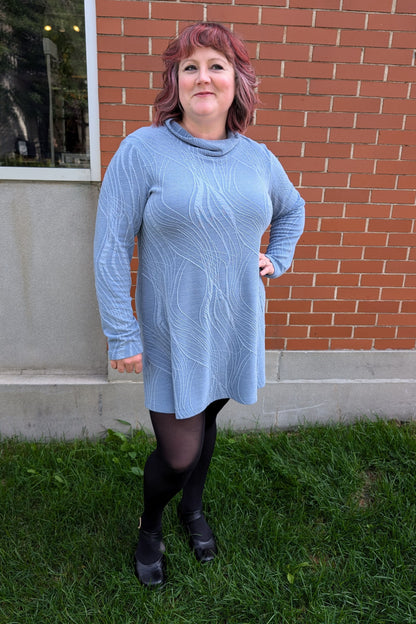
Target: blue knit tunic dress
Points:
(199, 209)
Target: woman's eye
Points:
(217, 66)
(189, 68)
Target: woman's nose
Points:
(203, 75)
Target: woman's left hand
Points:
(265, 265)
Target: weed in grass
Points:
(313, 527)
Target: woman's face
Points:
(206, 82)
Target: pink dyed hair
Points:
(216, 36)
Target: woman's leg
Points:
(167, 469)
(194, 486)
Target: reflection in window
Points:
(43, 84)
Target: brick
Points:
(405, 6)
(286, 331)
(340, 344)
(367, 210)
(372, 181)
(175, 11)
(353, 104)
(376, 151)
(359, 196)
(401, 167)
(402, 240)
(316, 266)
(398, 294)
(365, 239)
(334, 150)
(349, 165)
(334, 306)
(110, 144)
(403, 212)
(394, 344)
(303, 134)
(139, 96)
(284, 52)
(370, 5)
(351, 71)
(354, 135)
(110, 95)
(409, 152)
(299, 305)
(124, 45)
(303, 164)
(325, 179)
(108, 111)
(297, 69)
(287, 17)
(123, 8)
(282, 85)
(404, 40)
(275, 343)
(391, 22)
(384, 90)
(361, 266)
(108, 61)
(407, 307)
(111, 128)
(122, 79)
(267, 68)
(142, 63)
(400, 320)
(229, 14)
(303, 103)
(400, 137)
(388, 56)
(264, 32)
(149, 28)
(383, 253)
(379, 121)
(364, 38)
(333, 87)
(281, 3)
(343, 225)
(305, 345)
(322, 36)
(358, 294)
(310, 319)
(278, 118)
(313, 292)
(109, 25)
(341, 19)
(402, 74)
(406, 332)
(374, 332)
(321, 238)
(336, 279)
(336, 55)
(388, 307)
(330, 332)
(316, 4)
(382, 280)
(355, 319)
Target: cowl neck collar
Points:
(208, 148)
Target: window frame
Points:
(93, 173)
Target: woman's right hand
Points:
(132, 364)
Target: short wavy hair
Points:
(218, 37)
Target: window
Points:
(48, 109)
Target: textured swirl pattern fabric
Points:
(199, 209)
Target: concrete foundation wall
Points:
(302, 387)
(54, 377)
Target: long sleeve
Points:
(288, 219)
(122, 199)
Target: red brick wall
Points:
(339, 110)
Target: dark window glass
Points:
(43, 84)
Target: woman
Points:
(199, 196)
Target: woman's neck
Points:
(208, 132)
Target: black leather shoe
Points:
(151, 574)
(204, 550)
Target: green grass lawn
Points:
(314, 526)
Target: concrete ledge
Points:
(302, 387)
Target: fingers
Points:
(128, 365)
(265, 265)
